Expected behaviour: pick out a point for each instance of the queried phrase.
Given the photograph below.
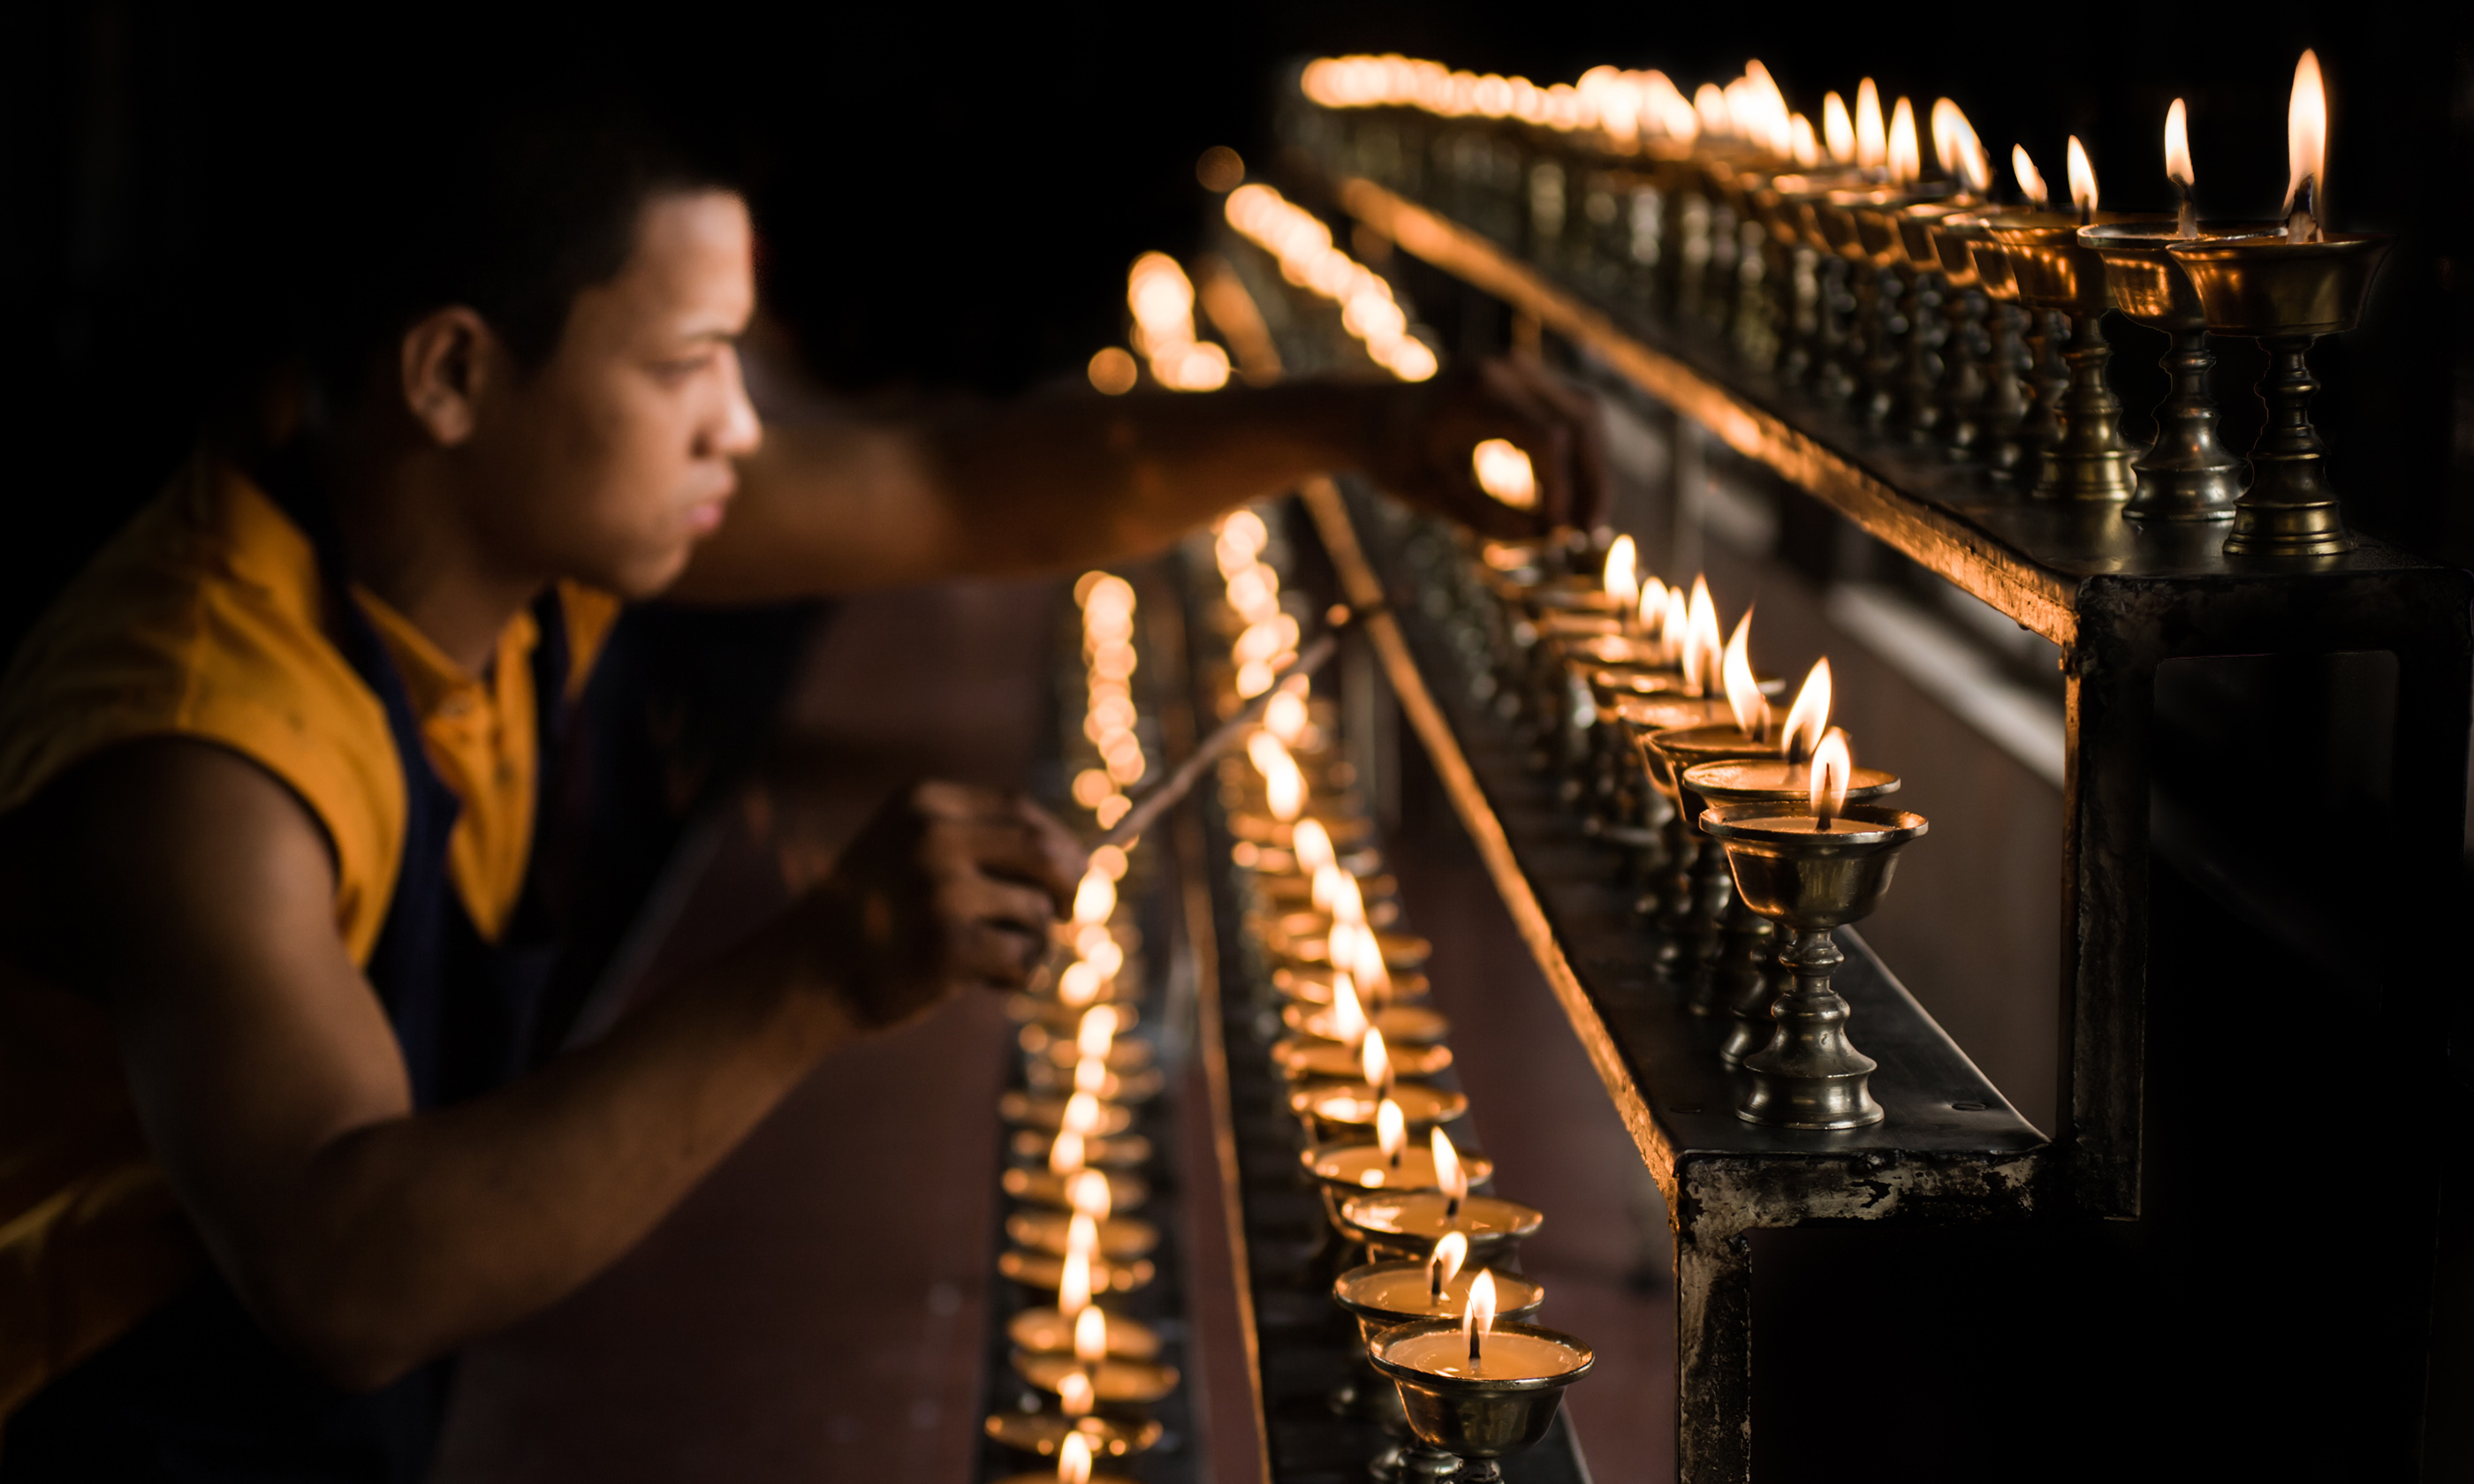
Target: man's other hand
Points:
(948, 886)
(1423, 435)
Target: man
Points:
(275, 1135)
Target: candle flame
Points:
(1622, 576)
(1091, 1075)
(1702, 650)
(1091, 1336)
(1096, 1033)
(1074, 1399)
(1285, 716)
(1109, 861)
(1095, 900)
(1711, 106)
(1096, 947)
(1325, 878)
(1080, 984)
(1348, 904)
(1809, 717)
(1088, 1192)
(2032, 183)
(1477, 1320)
(1373, 1061)
(1347, 1016)
(2177, 145)
(1284, 792)
(1313, 846)
(1451, 1178)
(1391, 1130)
(1906, 162)
(1367, 967)
(2306, 149)
(1872, 143)
(1082, 1114)
(1675, 629)
(1961, 151)
(1066, 1155)
(1838, 130)
(2082, 180)
(1082, 1234)
(1074, 1285)
(1451, 1250)
(1653, 604)
(1831, 767)
(1744, 695)
(1801, 143)
(1505, 472)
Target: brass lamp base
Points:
(1476, 1419)
(1809, 880)
(2086, 459)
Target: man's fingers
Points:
(986, 955)
(979, 899)
(1066, 859)
(1017, 851)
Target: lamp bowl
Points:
(2262, 287)
(2145, 281)
(1471, 1417)
(1806, 878)
(2054, 269)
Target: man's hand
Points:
(949, 887)
(1422, 436)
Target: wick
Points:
(1475, 1334)
(1397, 1152)
(1435, 1279)
(2186, 228)
(2087, 214)
(2302, 225)
(1451, 1207)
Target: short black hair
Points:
(512, 208)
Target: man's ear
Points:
(448, 362)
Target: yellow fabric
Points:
(207, 617)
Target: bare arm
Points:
(1074, 480)
(190, 893)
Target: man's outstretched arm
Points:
(190, 893)
(1070, 480)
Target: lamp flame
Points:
(1323, 879)
(1906, 162)
(1284, 717)
(2082, 182)
(1096, 1033)
(1284, 792)
(1088, 1192)
(1074, 1398)
(1368, 968)
(2177, 167)
(1391, 1132)
(1505, 472)
(1451, 1250)
(1744, 695)
(1622, 576)
(1080, 984)
(1313, 846)
(1700, 647)
(1838, 130)
(1095, 900)
(1961, 151)
(2306, 150)
(1073, 1284)
(1066, 1155)
(1082, 1234)
(1091, 1336)
(1675, 628)
(1348, 904)
(1091, 1075)
(1373, 1061)
(1653, 604)
(1809, 717)
(1831, 767)
(2032, 183)
(1872, 144)
(1451, 1178)
(1347, 1016)
(1477, 1321)
(1082, 1114)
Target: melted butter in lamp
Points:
(1503, 1356)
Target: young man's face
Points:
(607, 461)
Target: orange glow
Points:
(1097, 1032)
(1284, 717)
(1744, 695)
(2032, 183)
(1074, 1398)
(1872, 141)
(1284, 793)
(1088, 1192)
(1702, 649)
(1960, 150)
(1348, 1017)
(1367, 968)
(1449, 1177)
(1065, 1156)
(2177, 144)
(1313, 846)
(1074, 1285)
(1809, 717)
(1109, 861)
(1078, 984)
(1391, 1132)
(1831, 767)
(1620, 577)
(1801, 143)
(1451, 1251)
(1091, 1075)
(1906, 162)
(1505, 472)
(2082, 180)
(1348, 903)
(1095, 900)
(1302, 246)
(1375, 1062)
(1710, 105)
(1113, 372)
(1675, 629)
(1326, 879)
(1082, 1114)
(1477, 1320)
(2306, 150)
(1838, 130)
(1091, 1336)
(1652, 605)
